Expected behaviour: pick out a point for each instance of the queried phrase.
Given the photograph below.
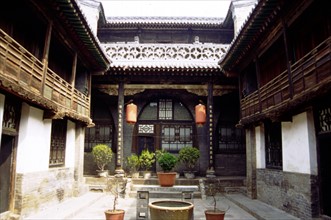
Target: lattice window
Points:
(273, 145)
(324, 116)
(58, 143)
(11, 116)
(145, 129)
(165, 109)
(175, 137)
(230, 138)
(101, 133)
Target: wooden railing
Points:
(310, 73)
(27, 75)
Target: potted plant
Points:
(102, 155)
(146, 161)
(133, 165)
(167, 162)
(116, 186)
(189, 157)
(212, 187)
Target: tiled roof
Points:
(165, 56)
(162, 22)
(250, 33)
(73, 17)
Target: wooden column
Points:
(258, 79)
(119, 156)
(288, 61)
(72, 79)
(46, 53)
(210, 126)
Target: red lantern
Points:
(200, 114)
(131, 113)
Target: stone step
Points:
(157, 188)
(155, 181)
(156, 191)
(177, 195)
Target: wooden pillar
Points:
(288, 61)
(46, 53)
(72, 79)
(210, 129)
(251, 175)
(119, 156)
(73, 70)
(258, 76)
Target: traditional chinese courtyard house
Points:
(282, 56)
(47, 56)
(166, 66)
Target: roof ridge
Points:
(160, 19)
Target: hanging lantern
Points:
(131, 113)
(200, 114)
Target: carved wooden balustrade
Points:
(149, 55)
(23, 74)
(311, 75)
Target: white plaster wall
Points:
(260, 147)
(2, 107)
(33, 141)
(240, 12)
(70, 145)
(299, 144)
(90, 9)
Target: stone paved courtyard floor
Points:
(93, 204)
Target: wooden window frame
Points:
(58, 143)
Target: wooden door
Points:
(325, 155)
(6, 163)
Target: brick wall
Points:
(294, 193)
(35, 191)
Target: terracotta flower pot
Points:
(166, 179)
(115, 215)
(214, 215)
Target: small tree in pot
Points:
(189, 156)
(212, 188)
(116, 186)
(102, 155)
(167, 162)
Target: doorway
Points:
(6, 162)
(325, 154)
(144, 143)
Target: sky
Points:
(173, 8)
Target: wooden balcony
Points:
(24, 75)
(311, 76)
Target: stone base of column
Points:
(119, 172)
(210, 173)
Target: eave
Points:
(250, 34)
(71, 16)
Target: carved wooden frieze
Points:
(200, 90)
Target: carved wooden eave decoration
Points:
(52, 109)
(27, 94)
(60, 114)
(200, 90)
(196, 57)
